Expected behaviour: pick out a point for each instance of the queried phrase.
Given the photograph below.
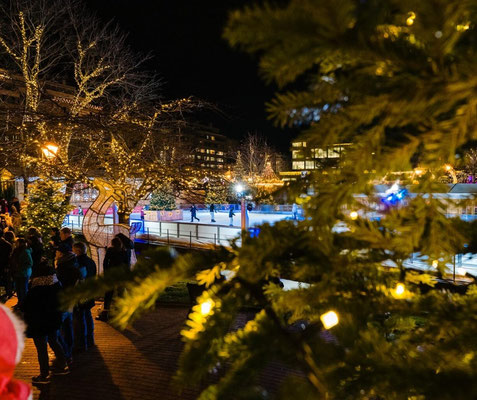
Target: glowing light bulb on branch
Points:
(50, 150)
(400, 290)
(329, 319)
(353, 215)
(206, 307)
(410, 19)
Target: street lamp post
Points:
(50, 150)
(239, 189)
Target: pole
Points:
(243, 210)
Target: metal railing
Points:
(174, 233)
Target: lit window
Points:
(334, 152)
(220, 159)
(309, 165)
(212, 158)
(212, 138)
(212, 151)
(320, 153)
(220, 153)
(296, 144)
(298, 165)
(296, 154)
(220, 166)
(202, 150)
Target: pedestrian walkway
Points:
(137, 363)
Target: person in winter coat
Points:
(43, 318)
(9, 237)
(36, 245)
(68, 273)
(5, 252)
(231, 215)
(295, 211)
(212, 213)
(116, 257)
(12, 342)
(82, 313)
(128, 245)
(66, 238)
(193, 213)
(21, 265)
(16, 219)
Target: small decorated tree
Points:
(45, 205)
(163, 199)
(217, 192)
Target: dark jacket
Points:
(128, 245)
(231, 213)
(55, 239)
(212, 208)
(193, 210)
(41, 306)
(5, 252)
(115, 258)
(21, 263)
(68, 241)
(87, 266)
(67, 270)
(36, 247)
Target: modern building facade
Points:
(308, 158)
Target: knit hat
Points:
(11, 347)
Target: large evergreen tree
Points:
(395, 78)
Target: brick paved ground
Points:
(137, 363)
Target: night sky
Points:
(193, 59)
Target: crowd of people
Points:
(37, 272)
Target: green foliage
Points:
(395, 78)
(163, 198)
(217, 192)
(46, 205)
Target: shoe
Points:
(40, 380)
(60, 371)
(213, 220)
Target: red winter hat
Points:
(11, 348)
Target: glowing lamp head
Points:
(239, 188)
(206, 307)
(410, 18)
(353, 215)
(435, 263)
(400, 289)
(448, 167)
(329, 319)
(50, 150)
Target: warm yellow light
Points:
(435, 263)
(418, 171)
(329, 319)
(206, 307)
(50, 150)
(353, 215)
(400, 289)
(448, 167)
(410, 19)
